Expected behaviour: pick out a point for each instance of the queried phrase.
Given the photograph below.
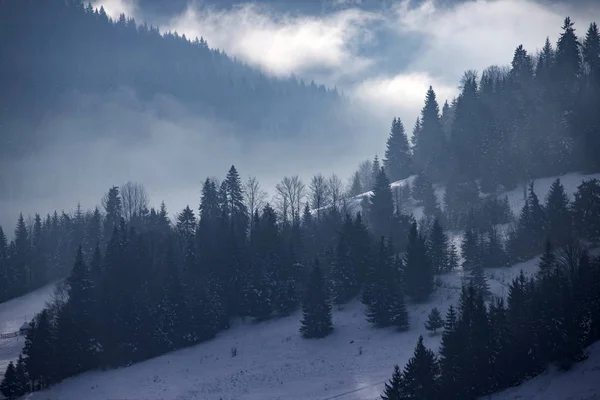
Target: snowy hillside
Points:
(12, 315)
(272, 361)
(580, 383)
(516, 200)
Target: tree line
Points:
(86, 52)
(149, 287)
(549, 318)
(533, 118)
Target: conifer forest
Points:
(134, 283)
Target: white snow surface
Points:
(274, 362)
(13, 314)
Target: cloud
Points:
(401, 95)
(284, 44)
(110, 139)
(477, 34)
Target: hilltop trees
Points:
(397, 161)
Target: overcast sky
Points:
(428, 44)
(384, 60)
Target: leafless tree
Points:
(336, 189)
(134, 199)
(319, 193)
(289, 197)
(254, 195)
(365, 173)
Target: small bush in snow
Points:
(234, 351)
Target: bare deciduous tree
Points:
(319, 193)
(336, 190)
(290, 196)
(254, 195)
(134, 198)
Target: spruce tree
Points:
(559, 220)
(452, 257)
(10, 385)
(471, 251)
(437, 245)
(451, 366)
(418, 272)
(393, 388)
(420, 187)
(356, 186)
(383, 294)
(421, 374)
(429, 146)
(478, 279)
(434, 321)
(343, 273)
(397, 161)
(316, 307)
(586, 210)
(381, 206)
(23, 383)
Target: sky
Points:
(384, 60)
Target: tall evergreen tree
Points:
(381, 206)
(421, 374)
(383, 294)
(397, 161)
(316, 306)
(437, 245)
(558, 215)
(429, 145)
(418, 272)
(10, 386)
(393, 388)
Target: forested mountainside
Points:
(58, 48)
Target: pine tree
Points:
(383, 294)
(478, 279)
(421, 373)
(547, 261)
(381, 206)
(356, 186)
(10, 385)
(470, 250)
(559, 220)
(430, 142)
(397, 161)
(80, 308)
(452, 257)
(418, 272)
(586, 210)
(393, 389)
(434, 321)
(113, 209)
(23, 384)
(375, 169)
(38, 351)
(420, 187)
(316, 307)
(437, 245)
(450, 357)
(343, 273)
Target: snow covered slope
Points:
(12, 315)
(582, 382)
(274, 362)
